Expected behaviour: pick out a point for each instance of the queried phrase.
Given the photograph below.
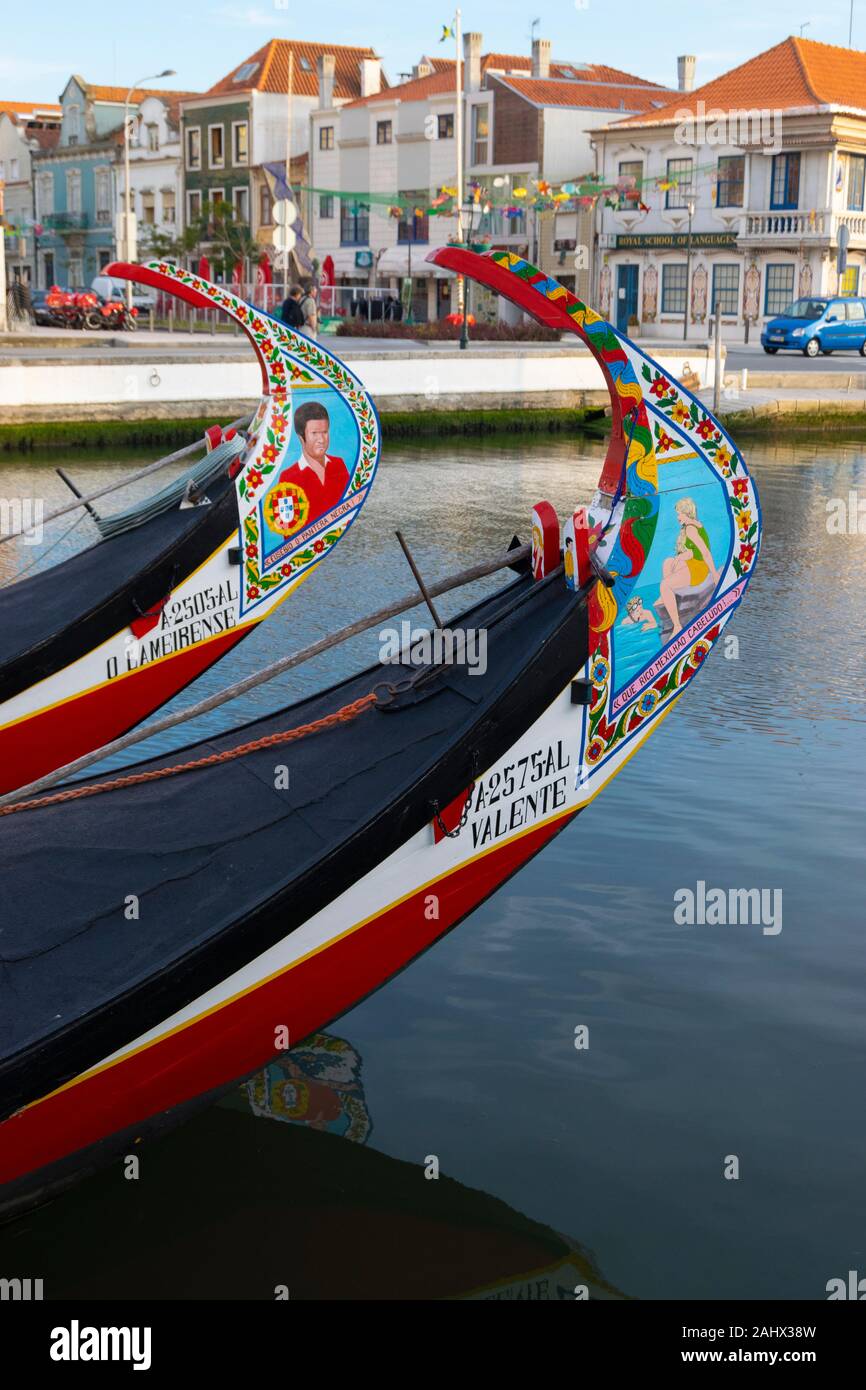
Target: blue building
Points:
(75, 186)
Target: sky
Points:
(118, 43)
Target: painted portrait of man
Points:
(316, 482)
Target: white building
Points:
(155, 168)
(525, 119)
(766, 164)
(25, 128)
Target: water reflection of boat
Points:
(230, 1208)
(214, 908)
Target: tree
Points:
(218, 232)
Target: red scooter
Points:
(66, 309)
(112, 314)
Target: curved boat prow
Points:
(283, 532)
(675, 523)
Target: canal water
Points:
(603, 1167)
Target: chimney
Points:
(371, 76)
(686, 73)
(541, 57)
(472, 62)
(422, 69)
(325, 65)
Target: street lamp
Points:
(168, 72)
(691, 210)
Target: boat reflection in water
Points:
(226, 1207)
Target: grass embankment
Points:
(409, 424)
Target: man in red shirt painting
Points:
(315, 483)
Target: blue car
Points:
(818, 324)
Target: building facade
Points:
(78, 184)
(25, 128)
(234, 131)
(765, 165)
(525, 120)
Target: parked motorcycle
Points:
(65, 309)
(112, 314)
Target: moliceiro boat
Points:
(196, 916)
(93, 646)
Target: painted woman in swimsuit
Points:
(692, 564)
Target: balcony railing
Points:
(796, 225)
(818, 225)
(66, 221)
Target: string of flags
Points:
(626, 193)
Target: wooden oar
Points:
(131, 478)
(267, 673)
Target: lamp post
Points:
(691, 209)
(168, 72)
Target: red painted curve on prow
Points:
(548, 313)
(143, 275)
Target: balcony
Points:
(816, 228)
(65, 222)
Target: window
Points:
(480, 134)
(674, 287)
(193, 147)
(785, 187)
(73, 130)
(193, 205)
(152, 135)
(848, 285)
(103, 259)
(44, 194)
(326, 205)
(266, 207)
(241, 204)
(169, 211)
(384, 132)
(73, 190)
(240, 142)
(354, 224)
(102, 181)
(326, 137)
(13, 169)
(217, 195)
(726, 289)
(216, 151)
(148, 207)
(780, 287)
(445, 126)
(244, 72)
(856, 181)
(2, 169)
(856, 311)
(75, 271)
(680, 174)
(305, 64)
(631, 170)
(729, 182)
(413, 225)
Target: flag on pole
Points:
(447, 33)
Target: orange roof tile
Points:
(31, 108)
(601, 96)
(270, 69)
(795, 73)
(597, 85)
(416, 89)
(117, 95)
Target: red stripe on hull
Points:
(239, 1038)
(37, 745)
